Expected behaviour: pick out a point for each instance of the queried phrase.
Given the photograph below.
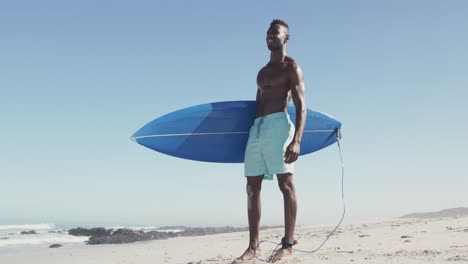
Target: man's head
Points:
(277, 35)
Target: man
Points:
(274, 142)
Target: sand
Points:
(438, 240)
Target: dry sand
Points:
(438, 240)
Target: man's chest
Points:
(273, 76)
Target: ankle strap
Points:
(287, 241)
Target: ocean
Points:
(27, 237)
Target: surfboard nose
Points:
(133, 139)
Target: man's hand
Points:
(292, 152)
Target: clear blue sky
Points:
(78, 78)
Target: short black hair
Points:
(279, 22)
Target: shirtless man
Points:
(274, 142)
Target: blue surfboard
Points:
(218, 132)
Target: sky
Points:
(78, 78)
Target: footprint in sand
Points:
(457, 258)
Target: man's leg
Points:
(286, 186)
(254, 186)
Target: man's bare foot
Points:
(280, 253)
(249, 254)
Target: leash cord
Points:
(338, 136)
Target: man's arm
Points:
(259, 91)
(298, 97)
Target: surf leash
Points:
(338, 137)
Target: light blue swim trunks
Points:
(269, 137)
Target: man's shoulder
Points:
(292, 63)
(262, 69)
(293, 66)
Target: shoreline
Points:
(437, 240)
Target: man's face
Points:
(277, 36)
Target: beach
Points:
(435, 240)
(134, 119)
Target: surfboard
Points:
(218, 132)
